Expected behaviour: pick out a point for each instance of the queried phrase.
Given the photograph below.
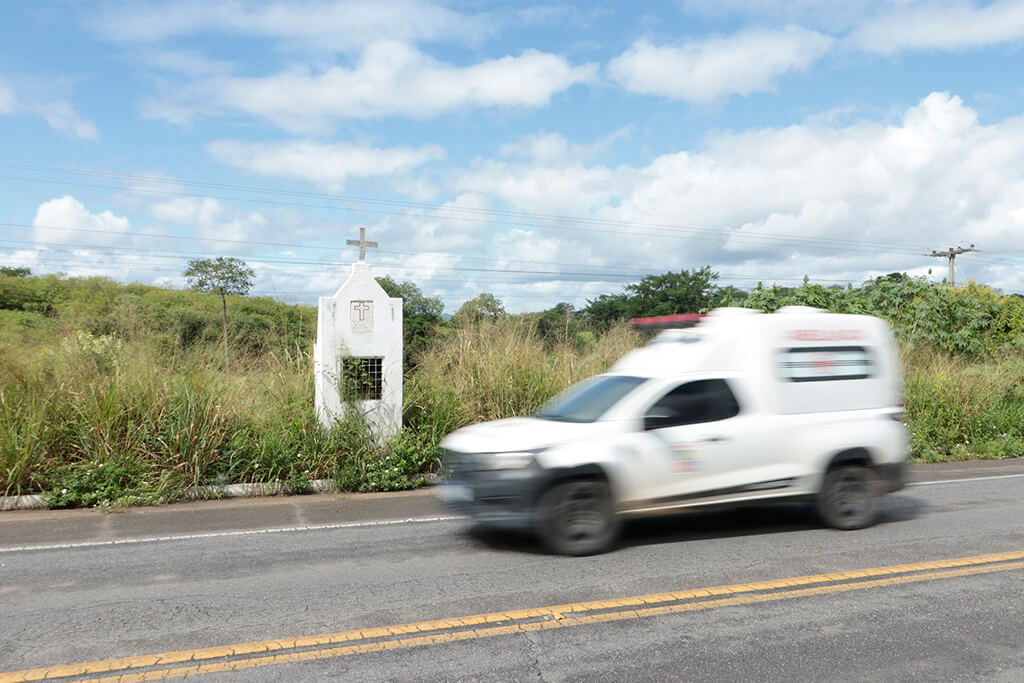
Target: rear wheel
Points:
(578, 518)
(847, 497)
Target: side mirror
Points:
(659, 417)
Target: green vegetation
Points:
(959, 408)
(115, 394)
(681, 292)
(421, 316)
(971, 320)
(223, 276)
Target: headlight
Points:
(508, 461)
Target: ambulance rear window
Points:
(824, 363)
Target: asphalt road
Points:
(310, 581)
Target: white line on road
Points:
(222, 534)
(350, 525)
(960, 481)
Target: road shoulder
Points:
(23, 528)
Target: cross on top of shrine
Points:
(361, 243)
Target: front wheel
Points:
(578, 518)
(847, 498)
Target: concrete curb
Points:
(22, 503)
(275, 488)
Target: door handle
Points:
(713, 439)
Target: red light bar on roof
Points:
(664, 322)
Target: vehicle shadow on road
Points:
(752, 521)
(712, 524)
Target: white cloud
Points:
(707, 70)
(418, 189)
(58, 113)
(827, 14)
(461, 224)
(573, 189)
(61, 116)
(553, 148)
(942, 26)
(541, 147)
(520, 246)
(326, 165)
(7, 101)
(101, 229)
(301, 24)
(834, 202)
(834, 199)
(390, 79)
(211, 219)
(188, 62)
(188, 210)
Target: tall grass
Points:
(143, 423)
(959, 408)
(97, 420)
(500, 369)
(172, 420)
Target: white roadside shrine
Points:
(357, 356)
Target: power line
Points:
(254, 243)
(653, 230)
(720, 233)
(446, 211)
(321, 247)
(256, 259)
(635, 275)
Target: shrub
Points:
(115, 395)
(113, 483)
(958, 409)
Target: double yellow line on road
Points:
(361, 641)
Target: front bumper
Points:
(496, 498)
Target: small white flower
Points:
(63, 491)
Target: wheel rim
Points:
(582, 516)
(850, 497)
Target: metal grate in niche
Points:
(362, 378)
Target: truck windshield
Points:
(590, 399)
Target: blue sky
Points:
(539, 152)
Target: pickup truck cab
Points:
(744, 407)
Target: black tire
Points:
(578, 518)
(847, 498)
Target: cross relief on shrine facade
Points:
(361, 314)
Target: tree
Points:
(414, 303)
(224, 275)
(15, 271)
(557, 322)
(682, 292)
(483, 306)
(421, 315)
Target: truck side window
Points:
(705, 400)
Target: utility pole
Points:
(951, 254)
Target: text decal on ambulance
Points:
(686, 458)
(823, 363)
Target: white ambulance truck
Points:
(744, 407)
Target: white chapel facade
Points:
(357, 355)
